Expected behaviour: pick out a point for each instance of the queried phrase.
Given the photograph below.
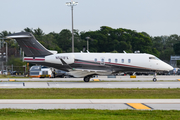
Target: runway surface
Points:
(101, 78)
(111, 104)
(90, 84)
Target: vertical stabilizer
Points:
(29, 44)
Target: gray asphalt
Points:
(102, 78)
(111, 104)
(90, 84)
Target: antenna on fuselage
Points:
(124, 52)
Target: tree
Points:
(16, 62)
(49, 42)
(28, 30)
(4, 33)
(38, 32)
(64, 39)
(176, 48)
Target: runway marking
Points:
(139, 106)
(133, 76)
(12, 80)
(96, 79)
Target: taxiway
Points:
(112, 104)
(101, 78)
(90, 84)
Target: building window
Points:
(116, 60)
(109, 60)
(129, 60)
(95, 59)
(122, 60)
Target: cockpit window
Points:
(153, 58)
(157, 58)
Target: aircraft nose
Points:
(170, 68)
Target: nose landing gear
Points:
(154, 79)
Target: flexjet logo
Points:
(62, 57)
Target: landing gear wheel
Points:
(154, 79)
(86, 79)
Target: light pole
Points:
(6, 52)
(72, 4)
(6, 56)
(88, 43)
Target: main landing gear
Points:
(87, 78)
(154, 79)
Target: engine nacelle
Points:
(68, 58)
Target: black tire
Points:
(63, 76)
(86, 79)
(154, 79)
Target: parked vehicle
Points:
(175, 71)
(34, 71)
(41, 72)
(46, 72)
(4, 72)
(178, 72)
(15, 73)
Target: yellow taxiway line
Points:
(96, 79)
(138, 106)
(12, 80)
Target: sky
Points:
(155, 17)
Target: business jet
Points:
(86, 65)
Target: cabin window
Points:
(102, 60)
(116, 60)
(109, 60)
(95, 59)
(129, 60)
(122, 60)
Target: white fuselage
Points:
(146, 61)
(123, 61)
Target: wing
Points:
(86, 72)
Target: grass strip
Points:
(86, 93)
(81, 114)
(10, 76)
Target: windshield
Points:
(153, 58)
(35, 68)
(44, 67)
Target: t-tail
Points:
(29, 44)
